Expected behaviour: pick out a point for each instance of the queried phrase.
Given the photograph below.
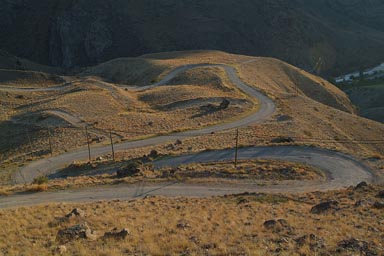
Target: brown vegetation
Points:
(320, 115)
(252, 224)
(107, 173)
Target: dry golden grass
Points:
(20, 78)
(230, 225)
(175, 107)
(104, 107)
(255, 170)
(82, 175)
(38, 188)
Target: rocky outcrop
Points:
(76, 213)
(325, 207)
(80, 231)
(116, 234)
(277, 225)
(78, 37)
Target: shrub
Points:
(40, 180)
(132, 168)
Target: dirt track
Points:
(341, 170)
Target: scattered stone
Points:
(283, 140)
(80, 231)
(117, 235)
(98, 139)
(130, 169)
(277, 225)
(170, 147)
(60, 220)
(380, 194)
(282, 118)
(324, 207)
(153, 153)
(378, 205)
(361, 185)
(22, 97)
(76, 213)
(183, 225)
(312, 240)
(270, 224)
(243, 201)
(99, 158)
(224, 104)
(61, 249)
(363, 203)
(209, 246)
(355, 245)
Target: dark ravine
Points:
(345, 34)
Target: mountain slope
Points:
(342, 34)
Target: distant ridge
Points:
(344, 35)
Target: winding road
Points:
(341, 170)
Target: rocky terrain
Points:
(323, 36)
(342, 222)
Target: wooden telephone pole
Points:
(237, 146)
(50, 141)
(113, 150)
(89, 148)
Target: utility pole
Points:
(113, 150)
(237, 146)
(50, 141)
(89, 148)
(29, 140)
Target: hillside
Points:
(342, 34)
(246, 224)
(107, 98)
(369, 99)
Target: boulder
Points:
(153, 153)
(224, 104)
(325, 207)
(183, 225)
(352, 244)
(80, 231)
(129, 170)
(378, 205)
(76, 213)
(283, 140)
(361, 185)
(117, 235)
(277, 225)
(380, 194)
(243, 201)
(315, 243)
(363, 203)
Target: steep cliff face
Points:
(78, 38)
(336, 35)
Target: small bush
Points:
(132, 168)
(40, 180)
